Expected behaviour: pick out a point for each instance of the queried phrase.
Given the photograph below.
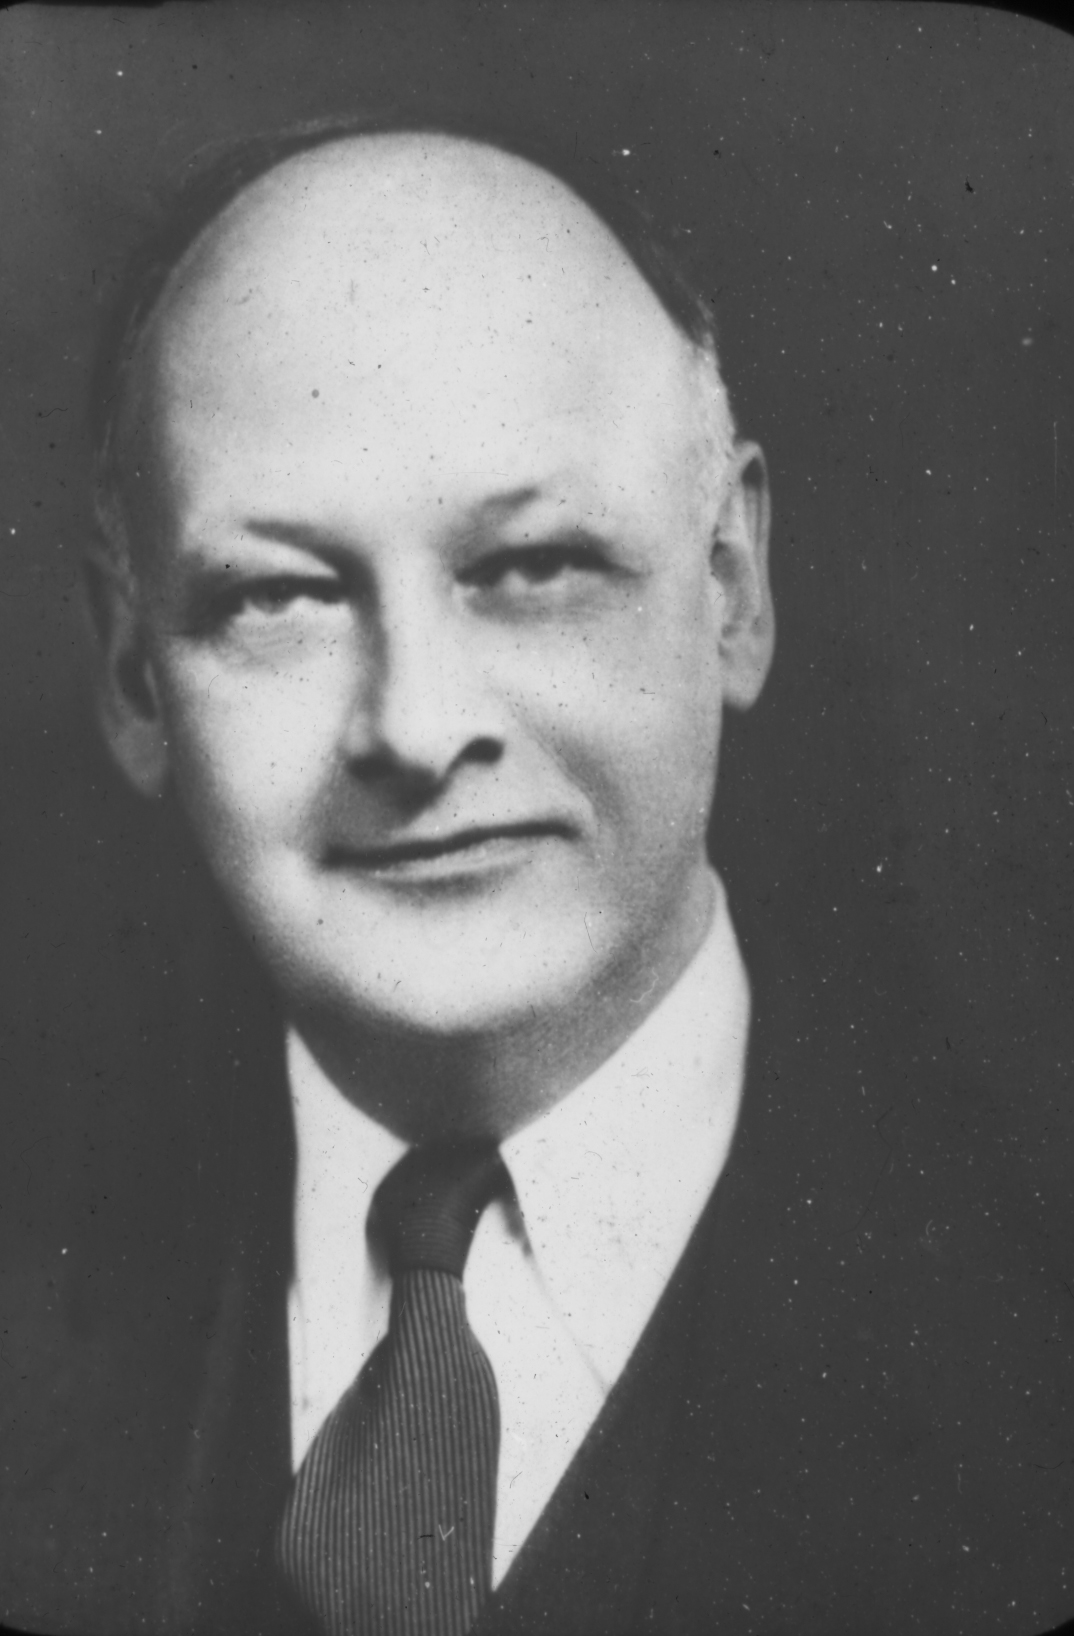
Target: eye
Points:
(534, 565)
(277, 594)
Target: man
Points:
(433, 557)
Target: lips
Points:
(463, 843)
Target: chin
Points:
(461, 981)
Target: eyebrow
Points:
(312, 538)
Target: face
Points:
(434, 634)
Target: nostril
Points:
(378, 765)
(484, 751)
(396, 788)
(383, 764)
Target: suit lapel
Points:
(237, 1458)
(587, 1565)
(237, 1465)
(597, 1556)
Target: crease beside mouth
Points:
(416, 851)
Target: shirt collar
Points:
(612, 1179)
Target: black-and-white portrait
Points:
(537, 820)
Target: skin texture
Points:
(447, 564)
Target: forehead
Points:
(424, 297)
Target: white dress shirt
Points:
(610, 1182)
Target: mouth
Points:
(468, 849)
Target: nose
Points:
(426, 708)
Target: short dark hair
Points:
(661, 253)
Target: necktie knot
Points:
(428, 1206)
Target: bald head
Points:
(422, 265)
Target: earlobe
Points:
(127, 697)
(740, 563)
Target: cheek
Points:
(630, 711)
(251, 753)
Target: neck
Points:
(425, 1087)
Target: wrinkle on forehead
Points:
(405, 256)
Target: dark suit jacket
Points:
(851, 1412)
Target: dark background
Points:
(883, 200)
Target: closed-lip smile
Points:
(432, 849)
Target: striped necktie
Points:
(388, 1527)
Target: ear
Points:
(127, 696)
(740, 563)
